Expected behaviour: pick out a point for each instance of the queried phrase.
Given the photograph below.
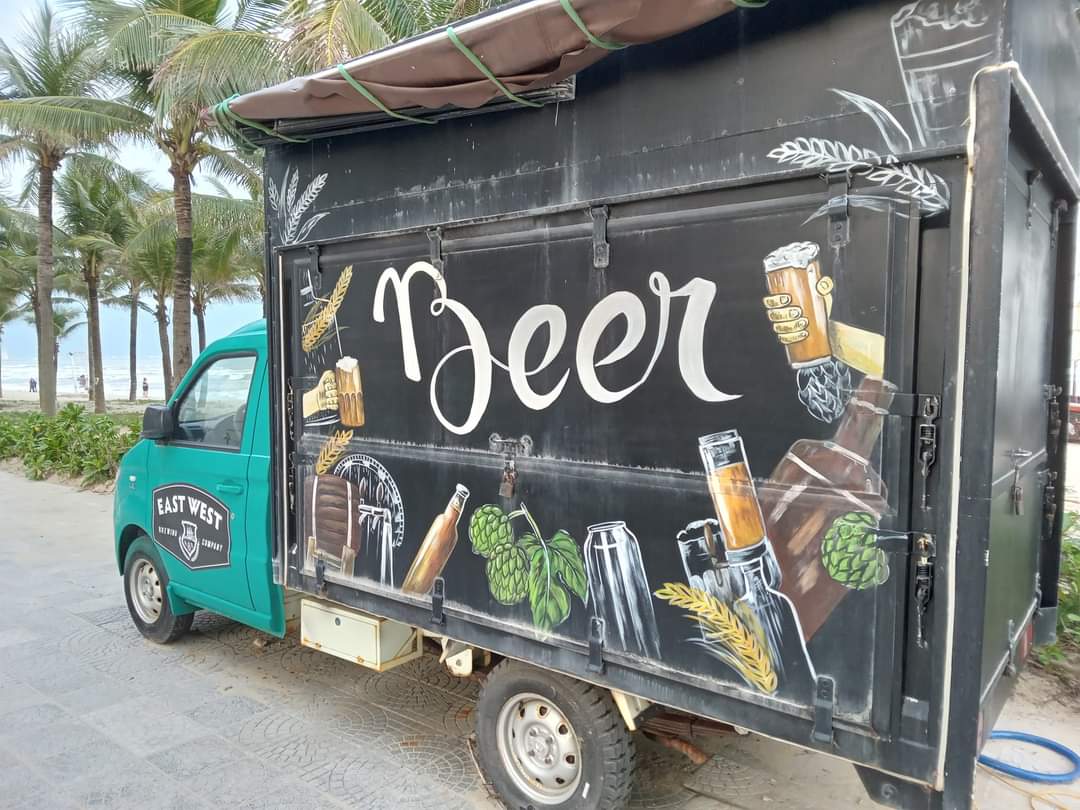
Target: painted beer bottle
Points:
(815, 483)
(747, 550)
(438, 545)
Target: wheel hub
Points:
(145, 588)
(539, 748)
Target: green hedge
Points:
(73, 443)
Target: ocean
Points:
(16, 375)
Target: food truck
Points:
(689, 354)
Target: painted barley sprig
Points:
(332, 451)
(323, 315)
(733, 641)
(290, 209)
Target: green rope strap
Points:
(580, 23)
(491, 77)
(228, 120)
(750, 3)
(359, 88)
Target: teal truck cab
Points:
(192, 504)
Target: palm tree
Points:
(99, 201)
(50, 105)
(180, 57)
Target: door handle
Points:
(229, 489)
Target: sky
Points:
(19, 344)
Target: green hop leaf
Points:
(508, 574)
(549, 601)
(490, 529)
(567, 561)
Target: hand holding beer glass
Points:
(798, 307)
(323, 397)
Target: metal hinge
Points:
(435, 248)
(839, 210)
(824, 706)
(601, 250)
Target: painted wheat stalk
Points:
(905, 179)
(332, 450)
(736, 643)
(319, 320)
(290, 209)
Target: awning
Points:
(504, 53)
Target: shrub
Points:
(73, 443)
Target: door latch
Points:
(924, 585)
(1050, 500)
(1053, 400)
(1016, 494)
(928, 443)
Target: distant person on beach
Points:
(145, 389)
(33, 386)
(82, 381)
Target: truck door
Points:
(201, 481)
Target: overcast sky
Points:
(18, 338)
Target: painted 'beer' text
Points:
(699, 294)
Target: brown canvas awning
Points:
(526, 46)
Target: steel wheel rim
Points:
(539, 748)
(144, 584)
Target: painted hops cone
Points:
(850, 554)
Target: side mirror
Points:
(158, 423)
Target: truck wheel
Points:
(545, 740)
(144, 588)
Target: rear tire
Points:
(548, 741)
(145, 582)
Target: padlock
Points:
(509, 480)
(1018, 499)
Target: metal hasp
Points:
(596, 645)
(510, 449)
(1050, 500)
(839, 210)
(824, 706)
(924, 585)
(929, 411)
(438, 597)
(601, 250)
(435, 248)
(1033, 177)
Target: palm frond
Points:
(212, 65)
(71, 119)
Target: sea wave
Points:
(16, 374)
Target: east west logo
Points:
(192, 525)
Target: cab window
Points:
(211, 412)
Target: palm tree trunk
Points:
(93, 324)
(43, 311)
(182, 273)
(133, 337)
(200, 321)
(89, 355)
(163, 338)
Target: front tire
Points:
(145, 582)
(548, 741)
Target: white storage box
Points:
(378, 644)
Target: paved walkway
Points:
(91, 715)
